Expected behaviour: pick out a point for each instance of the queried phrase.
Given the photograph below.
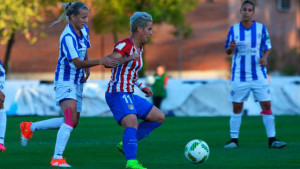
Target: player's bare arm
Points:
(231, 48)
(264, 59)
(118, 57)
(106, 61)
(86, 70)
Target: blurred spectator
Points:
(159, 85)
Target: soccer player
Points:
(71, 72)
(2, 113)
(250, 44)
(124, 104)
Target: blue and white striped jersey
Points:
(71, 45)
(2, 76)
(2, 72)
(250, 46)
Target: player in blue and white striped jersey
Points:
(250, 44)
(3, 119)
(71, 72)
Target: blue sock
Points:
(130, 143)
(145, 128)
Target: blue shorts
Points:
(122, 104)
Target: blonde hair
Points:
(70, 8)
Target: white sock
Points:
(2, 125)
(63, 136)
(269, 122)
(53, 123)
(235, 124)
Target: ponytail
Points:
(69, 9)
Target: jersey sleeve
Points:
(229, 37)
(266, 41)
(69, 47)
(123, 48)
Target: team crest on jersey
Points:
(268, 91)
(120, 46)
(259, 35)
(232, 93)
(130, 106)
(236, 37)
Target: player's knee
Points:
(266, 105)
(266, 112)
(237, 109)
(161, 118)
(75, 122)
(68, 117)
(130, 121)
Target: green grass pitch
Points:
(92, 144)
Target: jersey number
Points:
(127, 99)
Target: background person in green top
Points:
(159, 85)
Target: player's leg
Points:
(70, 99)
(28, 128)
(3, 121)
(235, 124)
(239, 93)
(153, 120)
(69, 108)
(130, 123)
(151, 115)
(269, 123)
(262, 93)
(157, 101)
(3, 118)
(124, 112)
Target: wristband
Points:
(139, 85)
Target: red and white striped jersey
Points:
(123, 77)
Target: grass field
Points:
(93, 145)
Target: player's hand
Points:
(135, 56)
(263, 61)
(2, 99)
(109, 63)
(147, 91)
(87, 74)
(232, 46)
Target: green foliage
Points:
(23, 15)
(112, 16)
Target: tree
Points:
(20, 15)
(173, 12)
(113, 16)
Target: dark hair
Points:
(248, 2)
(71, 8)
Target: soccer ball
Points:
(150, 80)
(196, 151)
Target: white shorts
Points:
(69, 91)
(240, 91)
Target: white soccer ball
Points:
(150, 80)
(196, 151)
